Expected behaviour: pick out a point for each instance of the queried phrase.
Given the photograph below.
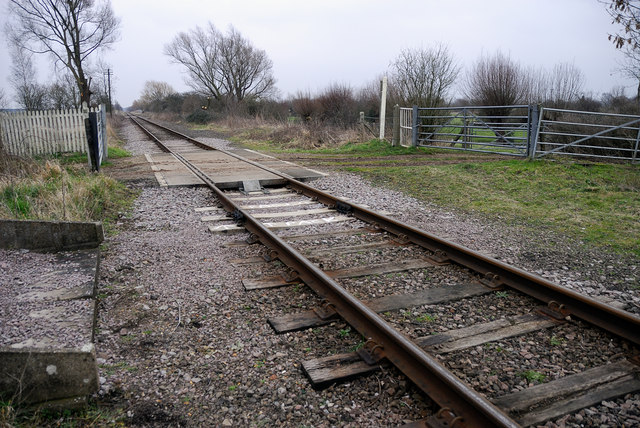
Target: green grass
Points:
(597, 203)
(533, 376)
(372, 148)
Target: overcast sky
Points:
(314, 43)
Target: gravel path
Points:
(180, 343)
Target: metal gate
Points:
(523, 130)
(493, 129)
(588, 134)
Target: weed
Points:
(358, 345)
(128, 338)
(344, 332)
(533, 376)
(502, 294)
(233, 387)
(555, 341)
(425, 318)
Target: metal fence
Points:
(588, 134)
(521, 130)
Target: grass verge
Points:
(596, 203)
(61, 187)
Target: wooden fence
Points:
(29, 133)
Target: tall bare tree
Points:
(424, 77)
(69, 30)
(224, 66)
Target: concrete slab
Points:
(50, 235)
(47, 319)
(226, 171)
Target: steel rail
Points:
(568, 302)
(465, 405)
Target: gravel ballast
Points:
(180, 343)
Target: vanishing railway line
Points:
(441, 313)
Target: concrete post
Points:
(383, 107)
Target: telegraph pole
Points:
(108, 73)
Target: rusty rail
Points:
(458, 401)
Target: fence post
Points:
(395, 138)
(103, 129)
(414, 127)
(383, 106)
(532, 138)
(91, 128)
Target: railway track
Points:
(415, 298)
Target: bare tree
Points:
(63, 93)
(566, 83)
(29, 94)
(155, 91)
(496, 81)
(69, 30)
(225, 67)
(337, 105)
(424, 77)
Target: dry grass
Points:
(289, 135)
(54, 189)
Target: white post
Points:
(383, 106)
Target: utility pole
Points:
(108, 73)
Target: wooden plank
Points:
(271, 191)
(206, 209)
(308, 319)
(488, 331)
(386, 243)
(317, 253)
(571, 393)
(382, 268)
(484, 333)
(349, 232)
(285, 224)
(521, 401)
(263, 198)
(323, 371)
(279, 205)
(273, 215)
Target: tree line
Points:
(229, 75)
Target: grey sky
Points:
(314, 43)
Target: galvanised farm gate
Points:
(522, 130)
